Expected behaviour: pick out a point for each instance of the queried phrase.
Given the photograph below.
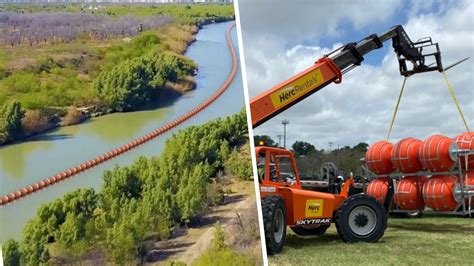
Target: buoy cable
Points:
(396, 108)
(453, 95)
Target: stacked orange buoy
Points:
(132, 144)
(378, 189)
(437, 154)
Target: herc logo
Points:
(314, 208)
(297, 88)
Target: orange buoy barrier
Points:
(405, 155)
(143, 139)
(438, 192)
(465, 141)
(378, 188)
(378, 157)
(407, 195)
(437, 153)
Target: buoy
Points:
(5, 199)
(437, 153)
(11, 197)
(378, 188)
(465, 141)
(438, 193)
(407, 196)
(378, 157)
(405, 155)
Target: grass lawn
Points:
(430, 240)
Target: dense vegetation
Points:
(139, 80)
(138, 203)
(56, 56)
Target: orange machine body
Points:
(436, 153)
(465, 141)
(407, 195)
(293, 90)
(303, 207)
(378, 157)
(378, 188)
(405, 155)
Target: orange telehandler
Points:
(357, 217)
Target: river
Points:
(46, 154)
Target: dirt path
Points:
(187, 244)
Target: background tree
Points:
(302, 148)
(267, 140)
(361, 147)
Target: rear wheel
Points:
(274, 222)
(316, 231)
(361, 219)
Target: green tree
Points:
(69, 231)
(302, 148)
(361, 146)
(33, 248)
(192, 191)
(265, 139)
(11, 253)
(10, 116)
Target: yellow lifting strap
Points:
(396, 107)
(455, 101)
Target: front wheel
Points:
(361, 219)
(274, 223)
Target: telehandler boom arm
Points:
(331, 67)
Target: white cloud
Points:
(360, 108)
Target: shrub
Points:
(34, 122)
(239, 166)
(73, 116)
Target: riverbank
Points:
(43, 110)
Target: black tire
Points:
(361, 219)
(316, 231)
(272, 208)
(414, 214)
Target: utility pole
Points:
(284, 122)
(330, 146)
(279, 140)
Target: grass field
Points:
(430, 240)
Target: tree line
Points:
(139, 202)
(309, 159)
